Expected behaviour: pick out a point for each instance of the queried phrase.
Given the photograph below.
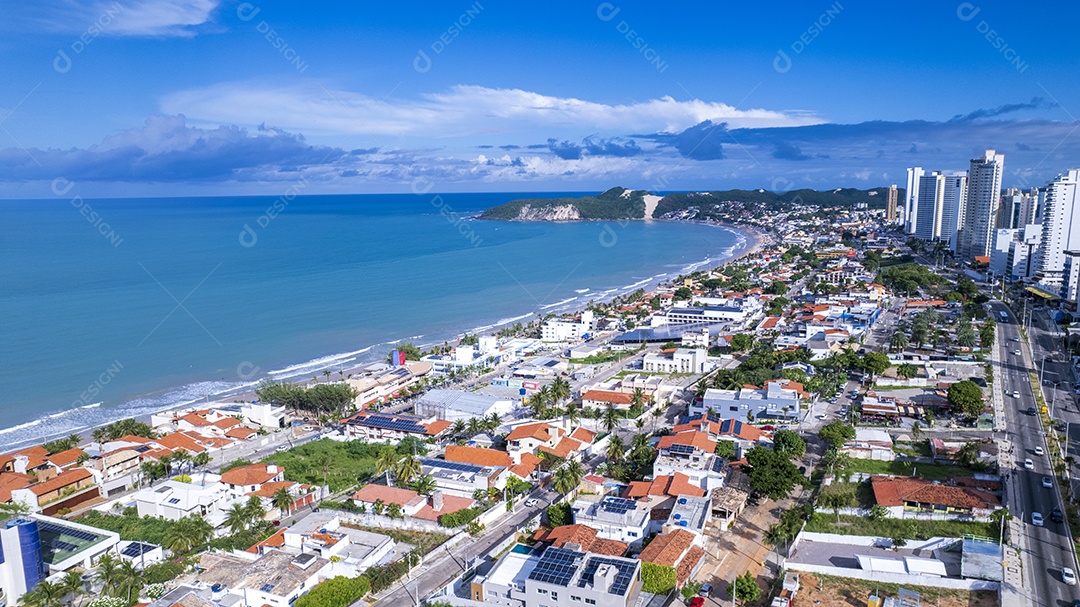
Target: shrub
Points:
(657, 579)
(559, 515)
(162, 572)
(337, 591)
(459, 518)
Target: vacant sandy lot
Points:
(843, 592)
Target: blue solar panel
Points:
(441, 463)
(623, 579)
(681, 449)
(617, 505)
(137, 549)
(388, 422)
(557, 566)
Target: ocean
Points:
(123, 307)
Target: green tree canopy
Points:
(836, 433)
(966, 397)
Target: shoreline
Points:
(749, 241)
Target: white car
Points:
(1028, 464)
(1048, 482)
(1068, 576)
(1039, 451)
(1016, 352)
(1016, 394)
(1037, 519)
(282, 448)
(529, 503)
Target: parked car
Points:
(705, 590)
(529, 503)
(1037, 519)
(696, 601)
(1048, 482)
(1031, 411)
(1016, 352)
(1016, 394)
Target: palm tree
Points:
(181, 457)
(325, 463)
(458, 429)
(283, 500)
(573, 413)
(131, 579)
(610, 419)
(615, 448)
(640, 441)
(407, 469)
(424, 485)
(237, 518)
(201, 459)
(657, 414)
(44, 594)
(916, 430)
(73, 585)
(836, 501)
(492, 422)
(254, 509)
(637, 399)
(639, 423)
(388, 459)
(107, 573)
(560, 389)
(187, 533)
(474, 426)
(568, 476)
(100, 436)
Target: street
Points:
(1045, 549)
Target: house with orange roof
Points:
(665, 488)
(900, 495)
(581, 538)
(527, 469)
(690, 454)
(303, 495)
(68, 484)
(477, 456)
(241, 433)
(66, 459)
(243, 480)
(602, 399)
(679, 550)
(528, 438)
(10, 481)
(187, 441)
(412, 503)
(392, 428)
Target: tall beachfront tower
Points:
(928, 206)
(981, 207)
(1060, 228)
(953, 197)
(911, 201)
(890, 208)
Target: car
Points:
(1016, 394)
(1016, 352)
(1016, 338)
(768, 428)
(529, 503)
(1039, 451)
(1037, 519)
(1031, 411)
(1068, 576)
(705, 590)
(1056, 515)
(696, 601)
(1048, 482)
(282, 448)
(820, 416)
(1028, 464)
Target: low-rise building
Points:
(274, 578)
(614, 518)
(912, 494)
(779, 399)
(390, 428)
(463, 480)
(679, 360)
(372, 497)
(677, 549)
(459, 404)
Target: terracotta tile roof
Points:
(478, 456)
(68, 477)
(274, 541)
(672, 486)
(10, 481)
(562, 450)
(217, 442)
(528, 465)
(692, 438)
(688, 563)
(889, 491)
(451, 503)
(701, 422)
(742, 430)
(539, 431)
(240, 433)
(131, 438)
(180, 440)
(584, 435)
(66, 458)
(372, 493)
(35, 453)
(252, 474)
(437, 427)
(226, 422)
(667, 548)
(584, 536)
(195, 419)
(608, 396)
(269, 489)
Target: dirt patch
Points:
(845, 592)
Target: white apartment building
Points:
(953, 200)
(1060, 228)
(981, 206)
(929, 206)
(682, 360)
(911, 201)
(561, 329)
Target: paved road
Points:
(434, 574)
(1046, 549)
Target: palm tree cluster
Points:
(546, 400)
(568, 476)
(241, 516)
(405, 468)
(464, 429)
(188, 533)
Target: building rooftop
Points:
(275, 572)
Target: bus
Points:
(1004, 316)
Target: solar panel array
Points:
(61, 545)
(623, 579)
(441, 463)
(137, 549)
(557, 566)
(677, 449)
(392, 423)
(78, 534)
(617, 505)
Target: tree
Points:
(789, 443)
(966, 397)
(201, 459)
(836, 501)
(459, 427)
(573, 413)
(965, 335)
(325, 462)
(283, 500)
(745, 588)
(876, 363)
(559, 515)
(907, 370)
(130, 579)
(615, 449)
(73, 586)
(187, 533)
(726, 449)
(740, 342)
(836, 433)
(568, 476)
(560, 389)
(394, 511)
(407, 468)
(107, 573)
(424, 485)
(898, 341)
(45, 594)
(388, 459)
(771, 473)
(237, 518)
(610, 419)
(254, 509)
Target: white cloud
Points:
(461, 111)
(114, 18)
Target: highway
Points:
(1045, 549)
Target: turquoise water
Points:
(115, 308)
(521, 549)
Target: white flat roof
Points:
(513, 569)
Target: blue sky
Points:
(148, 97)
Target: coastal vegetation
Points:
(610, 205)
(318, 399)
(124, 427)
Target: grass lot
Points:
(426, 542)
(863, 492)
(934, 472)
(825, 522)
(349, 463)
(916, 449)
(828, 591)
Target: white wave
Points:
(558, 303)
(21, 426)
(581, 290)
(318, 363)
(499, 323)
(637, 284)
(91, 406)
